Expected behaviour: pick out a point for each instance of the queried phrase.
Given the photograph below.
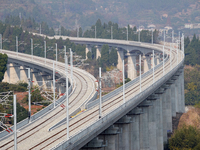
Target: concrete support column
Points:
(123, 139)
(14, 73)
(44, 82)
(7, 74)
(159, 119)
(183, 92)
(146, 63)
(180, 93)
(120, 54)
(156, 61)
(63, 88)
(87, 49)
(173, 100)
(152, 62)
(132, 73)
(152, 123)
(135, 129)
(144, 126)
(164, 112)
(34, 77)
(98, 52)
(109, 135)
(111, 142)
(23, 74)
(168, 110)
(177, 95)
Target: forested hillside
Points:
(27, 9)
(3, 62)
(192, 71)
(84, 13)
(9, 43)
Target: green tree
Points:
(113, 57)
(3, 62)
(89, 55)
(104, 55)
(185, 138)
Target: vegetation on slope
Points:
(3, 62)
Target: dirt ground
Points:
(21, 96)
(191, 117)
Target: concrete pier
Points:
(98, 52)
(144, 126)
(14, 73)
(87, 49)
(159, 119)
(120, 54)
(152, 122)
(23, 74)
(146, 63)
(135, 128)
(132, 73)
(124, 123)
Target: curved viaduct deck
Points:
(84, 89)
(87, 125)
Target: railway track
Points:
(75, 101)
(41, 138)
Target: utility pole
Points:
(67, 96)
(95, 32)
(139, 35)
(152, 37)
(29, 94)
(54, 96)
(179, 39)
(163, 61)
(127, 33)
(177, 53)
(164, 36)
(56, 55)
(183, 45)
(100, 101)
(40, 29)
(15, 122)
(153, 66)
(140, 73)
(65, 53)
(123, 82)
(17, 45)
(45, 51)
(32, 48)
(71, 63)
(111, 32)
